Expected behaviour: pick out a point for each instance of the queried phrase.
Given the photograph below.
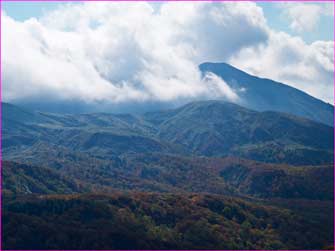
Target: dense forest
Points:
(36, 216)
(156, 221)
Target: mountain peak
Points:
(267, 95)
(218, 67)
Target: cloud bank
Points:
(125, 52)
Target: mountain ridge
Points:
(208, 128)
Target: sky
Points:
(124, 52)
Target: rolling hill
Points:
(217, 128)
(206, 128)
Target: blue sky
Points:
(140, 51)
(279, 22)
(25, 10)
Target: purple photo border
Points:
(319, 1)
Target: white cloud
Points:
(292, 61)
(220, 88)
(51, 63)
(306, 16)
(123, 52)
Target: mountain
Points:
(183, 149)
(267, 95)
(204, 128)
(217, 128)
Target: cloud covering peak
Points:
(124, 52)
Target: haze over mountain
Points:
(208, 128)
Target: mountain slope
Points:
(267, 95)
(26, 179)
(217, 128)
(209, 128)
